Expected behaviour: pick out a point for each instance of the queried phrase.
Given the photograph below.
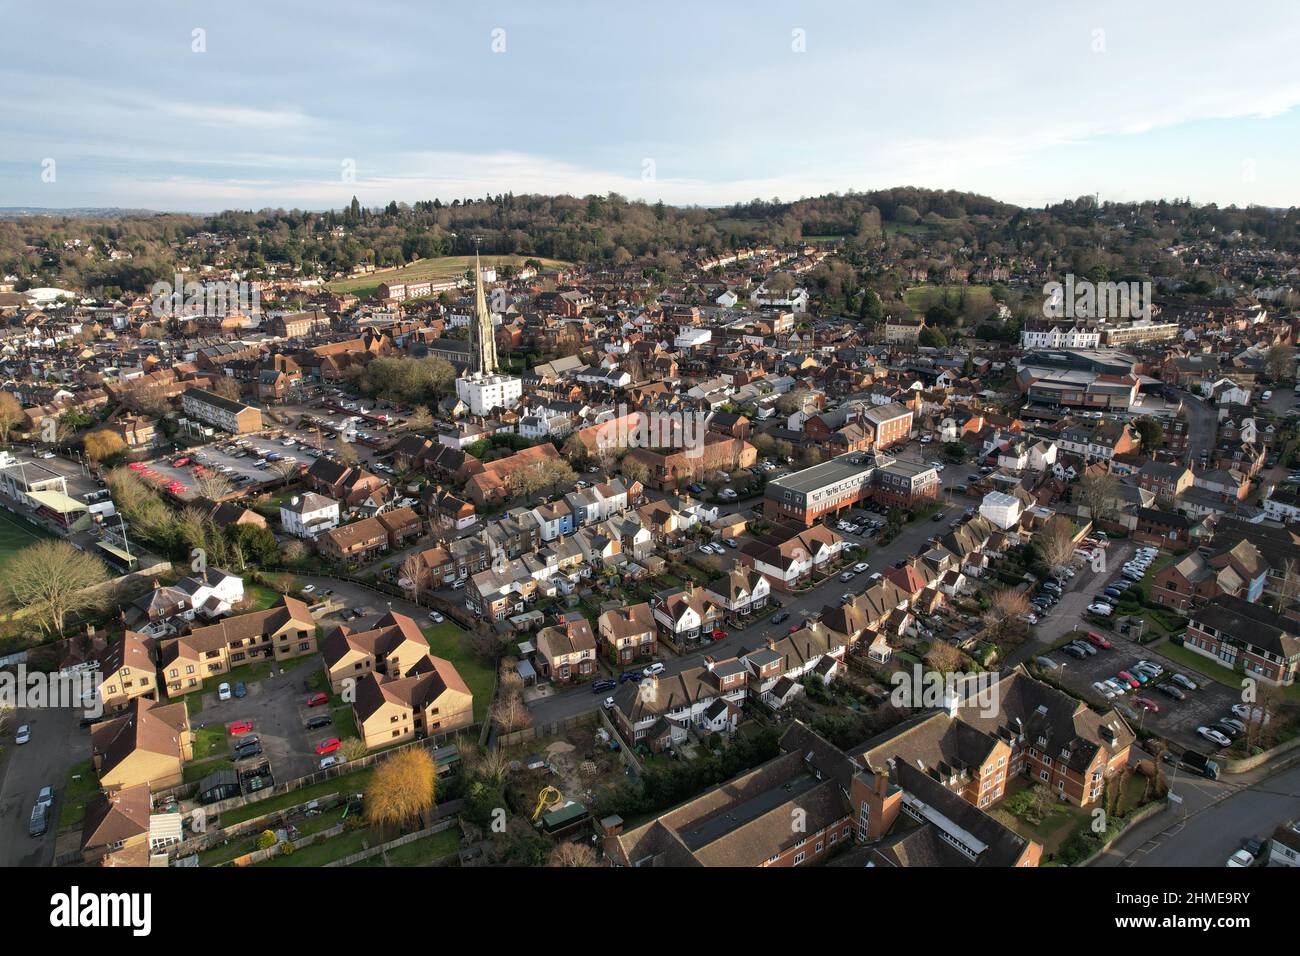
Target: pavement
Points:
(1213, 820)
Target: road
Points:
(57, 743)
(1214, 819)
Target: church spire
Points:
(483, 346)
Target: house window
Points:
(798, 858)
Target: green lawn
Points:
(80, 788)
(194, 772)
(210, 742)
(326, 851)
(447, 640)
(347, 783)
(444, 267)
(260, 596)
(921, 297)
(16, 534)
(420, 852)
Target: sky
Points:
(190, 105)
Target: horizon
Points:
(206, 110)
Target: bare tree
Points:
(1005, 610)
(415, 575)
(943, 657)
(1288, 589)
(53, 579)
(285, 469)
(212, 485)
(572, 854)
(1097, 493)
(510, 712)
(1055, 542)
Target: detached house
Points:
(627, 633)
(566, 650)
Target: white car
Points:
(1241, 858)
(607, 703)
(1119, 689)
(1245, 713)
(1214, 737)
(435, 617)
(653, 669)
(223, 692)
(1102, 688)
(327, 762)
(308, 588)
(1151, 667)
(1103, 609)
(861, 566)
(24, 734)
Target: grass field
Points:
(921, 297)
(441, 268)
(16, 534)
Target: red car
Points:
(136, 466)
(315, 700)
(793, 628)
(241, 727)
(180, 462)
(718, 634)
(1096, 640)
(328, 745)
(1146, 703)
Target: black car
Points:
(902, 563)
(1229, 731)
(780, 617)
(603, 684)
(1169, 690)
(316, 723)
(630, 675)
(248, 754)
(247, 743)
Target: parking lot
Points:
(277, 708)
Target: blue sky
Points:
(706, 103)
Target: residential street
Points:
(56, 745)
(1215, 817)
(912, 540)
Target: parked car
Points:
(240, 727)
(1132, 682)
(1104, 689)
(1098, 608)
(241, 689)
(1183, 681)
(1047, 663)
(1246, 713)
(45, 797)
(1146, 703)
(248, 754)
(223, 691)
(603, 684)
(1096, 640)
(1214, 736)
(328, 746)
(1228, 730)
(23, 734)
(1085, 647)
(653, 669)
(330, 761)
(435, 617)
(322, 720)
(780, 617)
(1169, 690)
(316, 700)
(626, 676)
(39, 821)
(1241, 858)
